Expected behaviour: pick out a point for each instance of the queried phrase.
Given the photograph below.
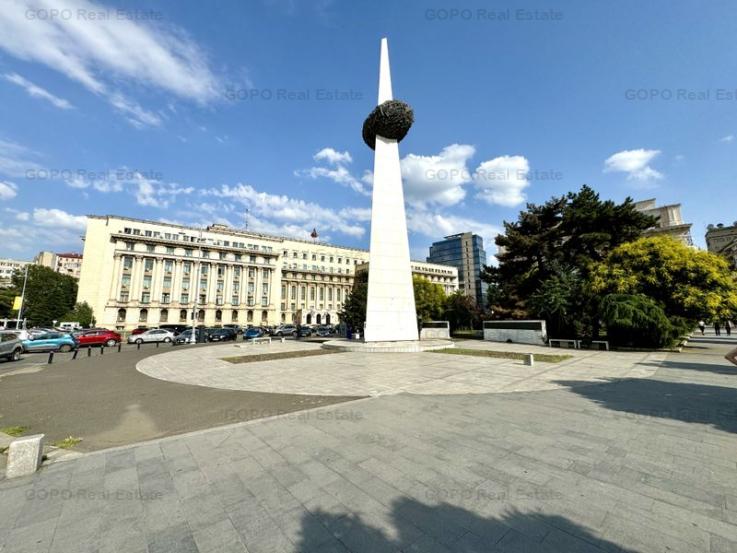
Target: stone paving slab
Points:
(362, 374)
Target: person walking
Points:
(728, 327)
(717, 328)
(702, 327)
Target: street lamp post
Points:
(22, 300)
(196, 289)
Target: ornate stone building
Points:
(145, 273)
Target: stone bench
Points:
(24, 456)
(586, 344)
(261, 340)
(561, 341)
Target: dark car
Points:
(176, 329)
(323, 330)
(303, 332)
(253, 332)
(235, 327)
(98, 337)
(221, 334)
(185, 337)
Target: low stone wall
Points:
(435, 334)
(517, 332)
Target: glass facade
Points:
(466, 253)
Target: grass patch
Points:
(275, 356)
(542, 357)
(67, 443)
(14, 431)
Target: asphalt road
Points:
(106, 402)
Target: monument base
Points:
(404, 346)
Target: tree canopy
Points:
(49, 295)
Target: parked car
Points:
(254, 332)
(51, 341)
(238, 329)
(303, 332)
(140, 330)
(21, 333)
(98, 337)
(70, 326)
(177, 329)
(323, 331)
(11, 346)
(153, 335)
(186, 336)
(221, 334)
(285, 330)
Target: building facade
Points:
(8, 267)
(670, 221)
(722, 239)
(466, 253)
(144, 273)
(64, 263)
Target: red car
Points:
(98, 337)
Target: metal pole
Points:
(22, 300)
(196, 289)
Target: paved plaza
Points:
(635, 465)
(360, 374)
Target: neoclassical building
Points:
(145, 273)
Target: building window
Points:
(182, 315)
(145, 297)
(147, 282)
(170, 250)
(249, 316)
(129, 246)
(127, 263)
(218, 315)
(168, 266)
(187, 267)
(148, 265)
(121, 315)
(265, 274)
(184, 298)
(234, 316)
(143, 316)
(124, 295)
(264, 316)
(188, 252)
(201, 315)
(167, 283)
(150, 248)
(165, 297)
(164, 317)
(264, 301)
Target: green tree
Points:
(49, 295)
(429, 299)
(461, 311)
(82, 314)
(354, 308)
(637, 321)
(554, 241)
(688, 284)
(7, 296)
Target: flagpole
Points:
(22, 300)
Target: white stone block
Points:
(529, 359)
(24, 456)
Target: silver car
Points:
(153, 335)
(10, 346)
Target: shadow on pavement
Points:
(425, 528)
(642, 397)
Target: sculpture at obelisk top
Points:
(390, 309)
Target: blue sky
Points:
(194, 113)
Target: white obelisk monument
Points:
(390, 310)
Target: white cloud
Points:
(437, 179)
(502, 180)
(728, 138)
(102, 53)
(8, 190)
(280, 214)
(59, 219)
(15, 160)
(338, 173)
(333, 157)
(147, 190)
(436, 225)
(636, 163)
(36, 91)
(134, 113)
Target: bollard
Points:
(51, 358)
(76, 351)
(138, 345)
(102, 350)
(157, 345)
(89, 352)
(24, 456)
(529, 359)
(119, 345)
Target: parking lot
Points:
(106, 402)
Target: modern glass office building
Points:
(465, 252)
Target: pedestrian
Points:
(717, 328)
(299, 330)
(702, 327)
(728, 327)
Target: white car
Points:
(153, 335)
(22, 334)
